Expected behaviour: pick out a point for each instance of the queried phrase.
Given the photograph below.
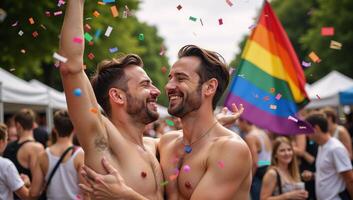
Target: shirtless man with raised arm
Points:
(205, 160)
(126, 94)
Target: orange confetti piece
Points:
(315, 58)
(272, 90)
(173, 177)
(31, 20)
(96, 14)
(94, 110)
(100, 3)
(114, 10)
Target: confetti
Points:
(88, 37)
(278, 96)
(14, 24)
(43, 27)
(47, 13)
(141, 37)
(327, 31)
(318, 97)
(229, 3)
(87, 27)
(97, 33)
(220, 164)
(252, 26)
(306, 64)
(335, 45)
(186, 168)
(91, 43)
(192, 18)
(302, 127)
(220, 21)
(108, 1)
(96, 14)
(173, 177)
(231, 70)
(57, 13)
(90, 56)
(77, 92)
(113, 50)
(164, 69)
(266, 98)
(169, 122)
(161, 53)
(179, 7)
(201, 22)
(35, 34)
(108, 31)
(31, 20)
(20, 32)
(78, 40)
(23, 51)
(273, 107)
(272, 90)
(59, 57)
(164, 183)
(114, 11)
(60, 3)
(314, 57)
(292, 118)
(12, 69)
(100, 3)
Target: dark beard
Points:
(189, 104)
(138, 110)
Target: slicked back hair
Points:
(212, 66)
(111, 73)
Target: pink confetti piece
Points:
(220, 164)
(162, 52)
(14, 24)
(327, 31)
(47, 13)
(306, 64)
(229, 3)
(186, 168)
(318, 97)
(35, 34)
(302, 127)
(91, 56)
(292, 118)
(278, 96)
(220, 21)
(58, 13)
(78, 40)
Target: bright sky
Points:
(177, 30)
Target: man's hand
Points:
(110, 186)
(226, 119)
(308, 175)
(26, 180)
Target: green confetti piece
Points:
(164, 183)
(261, 163)
(169, 122)
(141, 37)
(88, 37)
(192, 18)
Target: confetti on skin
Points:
(318, 97)
(59, 57)
(31, 20)
(192, 18)
(220, 164)
(327, 31)
(108, 31)
(141, 37)
(315, 58)
(114, 11)
(273, 107)
(113, 50)
(164, 183)
(220, 21)
(293, 119)
(173, 177)
(186, 168)
(88, 37)
(278, 96)
(77, 92)
(96, 14)
(78, 40)
(229, 3)
(306, 64)
(179, 7)
(90, 56)
(94, 110)
(335, 45)
(169, 122)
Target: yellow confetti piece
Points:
(335, 45)
(96, 14)
(114, 11)
(315, 58)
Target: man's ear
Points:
(117, 95)
(210, 87)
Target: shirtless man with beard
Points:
(127, 96)
(205, 160)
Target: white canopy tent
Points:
(325, 92)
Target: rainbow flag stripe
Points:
(269, 81)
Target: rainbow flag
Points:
(269, 81)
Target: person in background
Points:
(158, 128)
(10, 180)
(337, 131)
(260, 147)
(282, 180)
(334, 175)
(64, 184)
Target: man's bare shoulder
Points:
(33, 147)
(170, 136)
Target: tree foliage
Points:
(37, 61)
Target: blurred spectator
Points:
(12, 134)
(282, 180)
(338, 131)
(158, 129)
(40, 135)
(334, 175)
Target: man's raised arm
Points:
(81, 101)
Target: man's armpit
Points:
(101, 143)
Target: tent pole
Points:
(1, 105)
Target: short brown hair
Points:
(3, 131)
(25, 118)
(212, 66)
(318, 118)
(329, 112)
(111, 73)
(62, 123)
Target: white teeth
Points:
(174, 97)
